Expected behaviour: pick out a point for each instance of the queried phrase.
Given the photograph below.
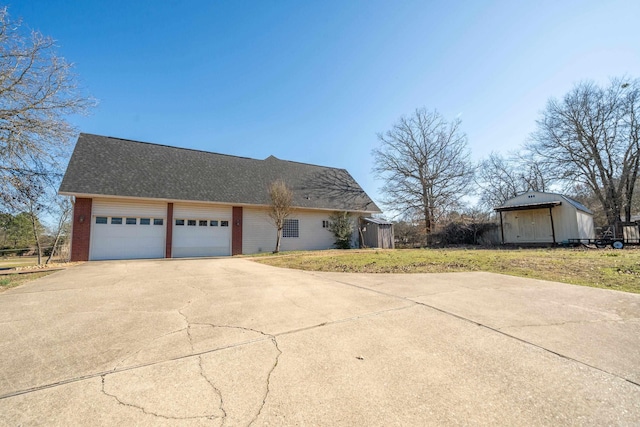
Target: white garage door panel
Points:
(195, 241)
(126, 241)
(200, 240)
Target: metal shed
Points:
(537, 217)
(377, 233)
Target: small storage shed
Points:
(377, 233)
(537, 217)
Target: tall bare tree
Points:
(502, 178)
(590, 137)
(425, 164)
(281, 197)
(38, 92)
(64, 210)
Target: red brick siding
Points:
(169, 239)
(81, 231)
(236, 231)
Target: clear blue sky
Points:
(314, 81)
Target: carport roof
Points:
(102, 165)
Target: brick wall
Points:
(81, 231)
(169, 238)
(236, 231)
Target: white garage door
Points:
(127, 230)
(122, 237)
(200, 231)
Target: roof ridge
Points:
(211, 152)
(272, 157)
(169, 146)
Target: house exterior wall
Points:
(127, 207)
(259, 233)
(250, 230)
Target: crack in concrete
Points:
(147, 412)
(268, 385)
(226, 347)
(216, 390)
(274, 340)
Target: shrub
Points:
(342, 228)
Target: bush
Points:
(342, 228)
(459, 233)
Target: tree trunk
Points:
(34, 226)
(278, 238)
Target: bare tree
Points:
(28, 196)
(424, 162)
(502, 178)
(281, 197)
(590, 137)
(38, 92)
(64, 209)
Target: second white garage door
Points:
(201, 231)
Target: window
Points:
(132, 221)
(214, 223)
(116, 220)
(224, 223)
(191, 222)
(290, 228)
(325, 224)
(101, 220)
(158, 221)
(179, 221)
(145, 221)
(202, 223)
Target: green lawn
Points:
(12, 280)
(602, 268)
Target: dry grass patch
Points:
(606, 268)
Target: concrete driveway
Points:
(232, 342)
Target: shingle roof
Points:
(102, 165)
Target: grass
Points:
(12, 280)
(605, 268)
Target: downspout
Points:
(553, 230)
(501, 227)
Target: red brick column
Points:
(236, 231)
(169, 239)
(81, 229)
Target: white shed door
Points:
(121, 237)
(201, 231)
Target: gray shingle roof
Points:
(103, 165)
